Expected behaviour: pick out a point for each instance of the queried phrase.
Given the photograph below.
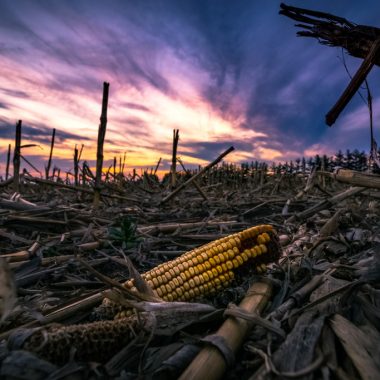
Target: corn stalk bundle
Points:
(333, 30)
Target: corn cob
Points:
(211, 267)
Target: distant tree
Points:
(317, 161)
(297, 167)
(310, 163)
(347, 161)
(303, 165)
(339, 159)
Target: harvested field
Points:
(315, 311)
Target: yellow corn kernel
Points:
(201, 289)
(180, 279)
(244, 256)
(156, 284)
(186, 285)
(264, 248)
(237, 241)
(210, 274)
(181, 268)
(214, 272)
(221, 257)
(192, 283)
(204, 277)
(266, 236)
(248, 253)
(228, 245)
(224, 267)
(258, 250)
(176, 271)
(172, 272)
(191, 271)
(185, 265)
(197, 280)
(200, 268)
(179, 291)
(207, 265)
(159, 292)
(231, 253)
(261, 239)
(163, 289)
(186, 296)
(219, 269)
(263, 267)
(195, 261)
(169, 297)
(232, 241)
(168, 288)
(235, 263)
(204, 256)
(212, 262)
(168, 276)
(196, 292)
(240, 260)
(220, 248)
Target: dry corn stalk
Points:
(208, 269)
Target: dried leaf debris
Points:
(61, 257)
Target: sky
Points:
(223, 72)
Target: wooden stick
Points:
(355, 178)
(16, 158)
(76, 166)
(47, 168)
(173, 176)
(158, 164)
(195, 183)
(8, 161)
(200, 173)
(355, 83)
(171, 227)
(326, 204)
(99, 153)
(210, 364)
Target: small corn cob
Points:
(211, 267)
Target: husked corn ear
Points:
(212, 267)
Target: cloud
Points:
(38, 133)
(223, 72)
